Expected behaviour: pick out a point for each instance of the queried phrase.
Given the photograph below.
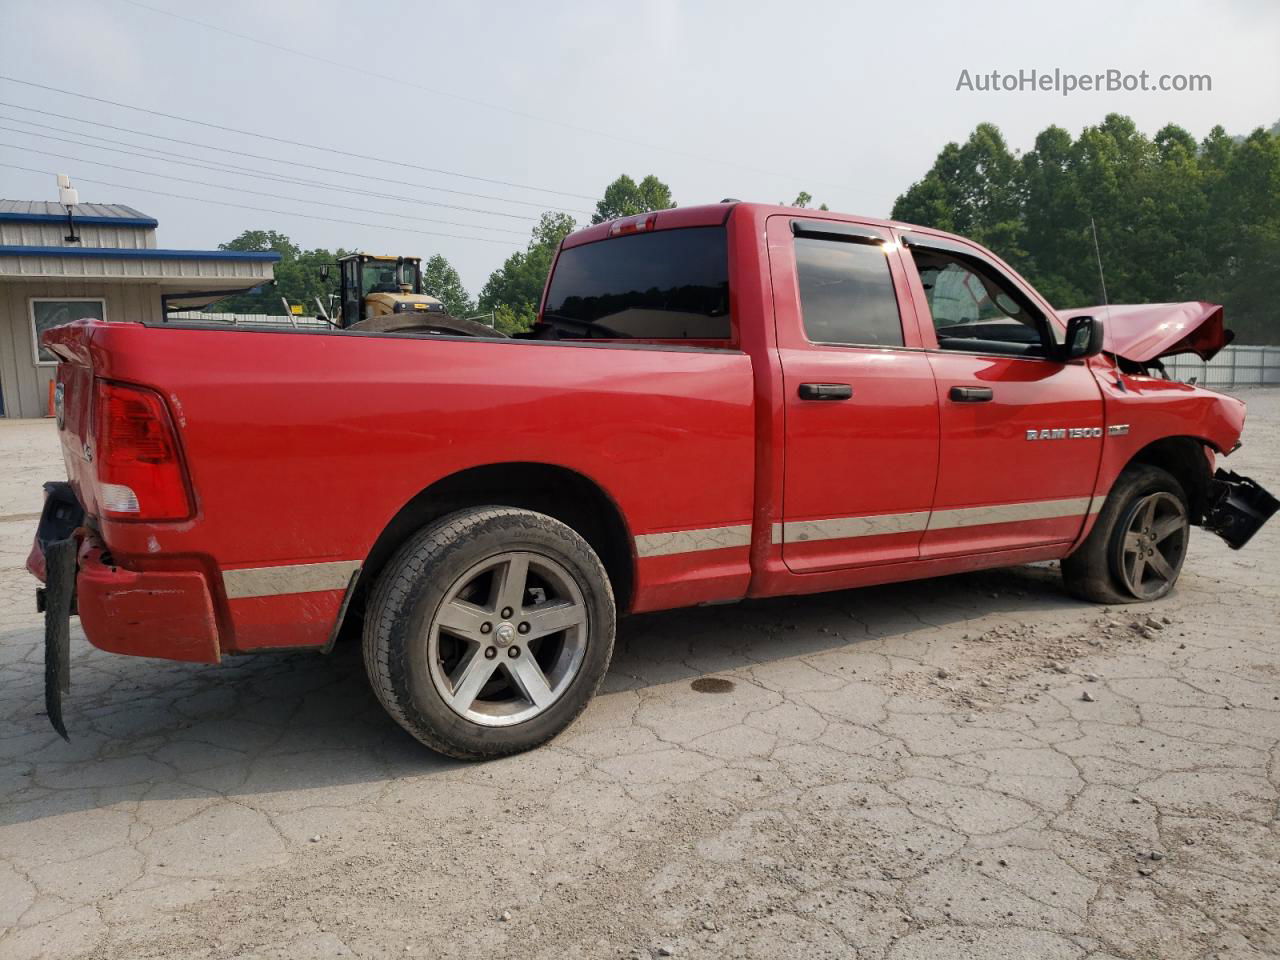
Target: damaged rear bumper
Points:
(1238, 507)
(151, 613)
(164, 613)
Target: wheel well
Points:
(1185, 458)
(558, 492)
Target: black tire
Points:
(1096, 570)
(408, 601)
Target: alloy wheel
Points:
(508, 638)
(1155, 543)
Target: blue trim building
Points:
(102, 261)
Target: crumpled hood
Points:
(1144, 331)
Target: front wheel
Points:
(489, 631)
(1136, 548)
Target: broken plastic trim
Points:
(59, 600)
(1238, 507)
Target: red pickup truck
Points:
(717, 402)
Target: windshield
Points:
(386, 276)
(667, 285)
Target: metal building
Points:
(60, 263)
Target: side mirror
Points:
(324, 271)
(1084, 338)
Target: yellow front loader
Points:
(384, 294)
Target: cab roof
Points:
(716, 214)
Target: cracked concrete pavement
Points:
(900, 772)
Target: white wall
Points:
(24, 384)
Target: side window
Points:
(976, 309)
(846, 293)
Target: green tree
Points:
(803, 199)
(974, 188)
(508, 319)
(1243, 227)
(441, 281)
(514, 290)
(1057, 236)
(297, 275)
(626, 198)
(1176, 219)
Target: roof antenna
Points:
(1106, 305)
(68, 196)
(1097, 252)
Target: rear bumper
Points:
(155, 613)
(167, 614)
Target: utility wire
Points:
(255, 156)
(259, 193)
(330, 63)
(257, 209)
(258, 174)
(292, 143)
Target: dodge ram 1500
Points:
(717, 402)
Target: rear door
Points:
(1021, 432)
(860, 407)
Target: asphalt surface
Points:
(899, 772)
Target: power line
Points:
(292, 143)
(330, 63)
(257, 209)
(254, 156)
(256, 174)
(258, 193)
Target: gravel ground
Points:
(898, 772)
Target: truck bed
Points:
(304, 446)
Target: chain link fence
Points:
(1234, 366)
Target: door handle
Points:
(825, 391)
(970, 394)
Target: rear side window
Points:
(666, 285)
(846, 293)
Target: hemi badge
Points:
(1118, 430)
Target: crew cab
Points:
(717, 402)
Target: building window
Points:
(47, 313)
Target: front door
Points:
(1021, 431)
(860, 405)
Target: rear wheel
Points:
(1136, 548)
(489, 631)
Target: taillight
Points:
(641, 224)
(140, 474)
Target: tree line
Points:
(1176, 219)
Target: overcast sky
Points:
(848, 100)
